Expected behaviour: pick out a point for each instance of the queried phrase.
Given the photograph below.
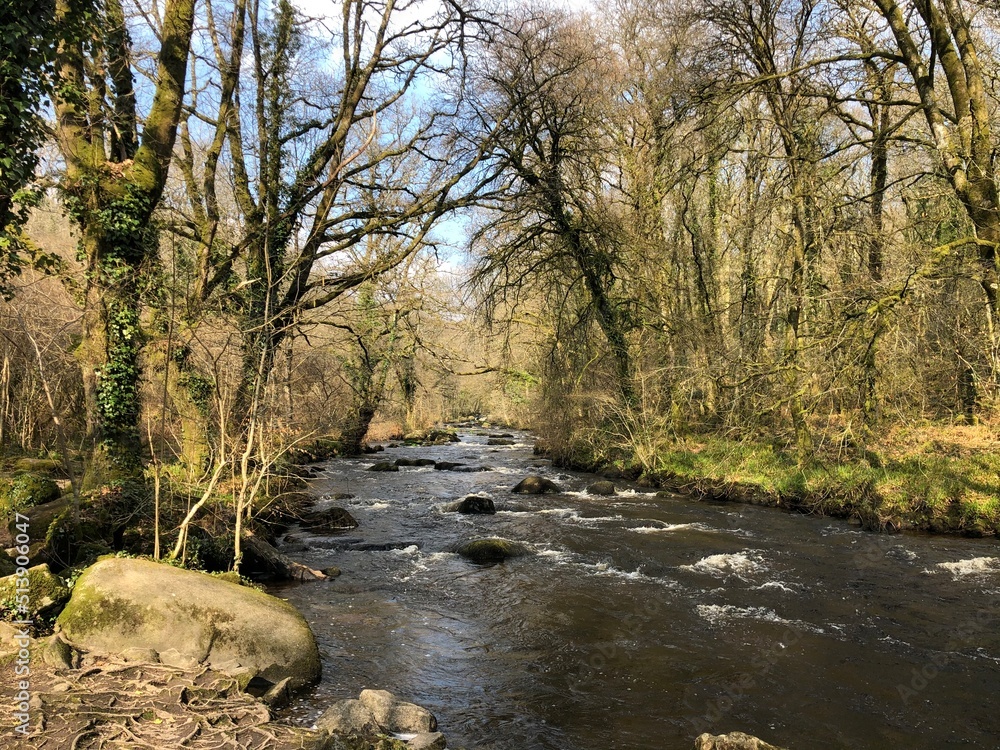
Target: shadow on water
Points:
(643, 621)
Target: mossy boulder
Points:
(602, 487)
(26, 490)
(46, 466)
(536, 485)
(121, 603)
(492, 550)
(46, 594)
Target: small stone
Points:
(58, 654)
(332, 572)
(174, 658)
(141, 655)
(427, 741)
(279, 694)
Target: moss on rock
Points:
(26, 490)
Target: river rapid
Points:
(642, 621)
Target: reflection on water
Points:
(643, 621)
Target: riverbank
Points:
(926, 478)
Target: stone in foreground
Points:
(731, 741)
(396, 716)
(371, 719)
(120, 604)
(536, 485)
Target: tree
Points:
(928, 33)
(114, 178)
(551, 222)
(25, 80)
(321, 164)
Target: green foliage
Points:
(26, 69)
(25, 490)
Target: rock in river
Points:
(477, 505)
(731, 741)
(384, 466)
(492, 550)
(121, 603)
(536, 485)
(602, 487)
(329, 521)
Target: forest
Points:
(743, 250)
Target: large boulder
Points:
(121, 603)
(731, 741)
(501, 441)
(384, 466)
(536, 485)
(492, 550)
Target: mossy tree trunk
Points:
(112, 185)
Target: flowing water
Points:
(642, 621)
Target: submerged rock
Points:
(731, 741)
(414, 461)
(329, 521)
(477, 505)
(492, 550)
(120, 603)
(603, 487)
(536, 485)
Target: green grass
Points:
(956, 491)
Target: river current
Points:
(642, 621)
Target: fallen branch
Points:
(280, 563)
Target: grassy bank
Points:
(944, 479)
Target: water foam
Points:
(738, 564)
(668, 527)
(972, 566)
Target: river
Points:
(641, 621)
